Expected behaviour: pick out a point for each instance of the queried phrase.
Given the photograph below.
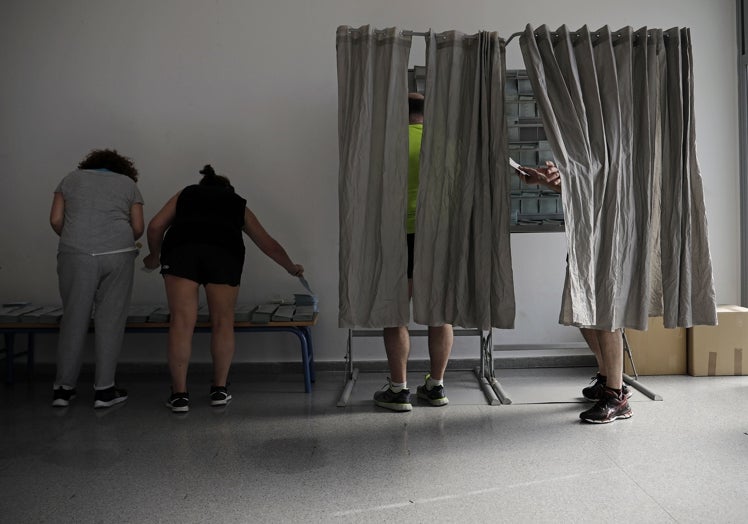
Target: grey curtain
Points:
(373, 178)
(618, 112)
(463, 271)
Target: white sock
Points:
(397, 387)
(66, 388)
(431, 382)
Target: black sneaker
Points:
(219, 396)
(434, 396)
(594, 392)
(386, 398)
(61, 397)
(179, 402)
(106, 398)
(610, 407)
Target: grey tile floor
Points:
(276, 454)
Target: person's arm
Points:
(136, 220)
(57, 213)
(548, 176)
(269, 245)
(156, 229)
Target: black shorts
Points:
(203, 263)
(411, 244)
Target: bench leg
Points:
(9, 357)
(310, 349)
(305, 359)
(30, 356)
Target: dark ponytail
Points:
(208, 171)
(210, 178)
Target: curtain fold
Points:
(463, 272)
(684, 297)
(372, 179)
(618, 112)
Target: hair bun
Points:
(207, 170)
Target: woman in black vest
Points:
(197, 239)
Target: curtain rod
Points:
(595, 34)
(554, 34)
(407, 32)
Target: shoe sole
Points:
(607, 421)
(221, 402)
(435, 401)
(394, 407)
(178, 409)
(61, 402)
(108, 403)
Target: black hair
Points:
(210, 178)
(109, 159)
(415, 106)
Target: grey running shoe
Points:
(434, 396)
(386, 398)
(610, 407)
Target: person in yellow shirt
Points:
(396, 395)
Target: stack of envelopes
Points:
(263, 313)
(284, 313)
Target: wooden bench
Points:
(301, 329)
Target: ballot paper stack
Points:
(53, 315)
(138, 313)
(161, 314)
(304, 313)
(14, 312)
(284, 313)
(243, 312)
(306, 307)
(6, 313)
(43, 315)
(263, 313)
(304, 299)
(203, 314)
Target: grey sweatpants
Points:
(102, 284)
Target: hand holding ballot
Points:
(548, 176)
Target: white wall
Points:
(251, 88)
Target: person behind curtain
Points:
(608, 392)
(197, 239)
(97, 211)
(396, 395)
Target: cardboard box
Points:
(718, 350)
(657, 351)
